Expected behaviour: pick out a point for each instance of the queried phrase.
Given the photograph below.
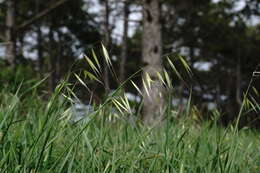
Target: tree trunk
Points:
(10, 51)
(124, 43)
(151, 52)
(39, 42)
(107, 44)
(59, 56)
(39, 50)
(238, 82)
(52, 61)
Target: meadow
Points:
(39, 136)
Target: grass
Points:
(38, 136)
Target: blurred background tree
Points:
(219, 39)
